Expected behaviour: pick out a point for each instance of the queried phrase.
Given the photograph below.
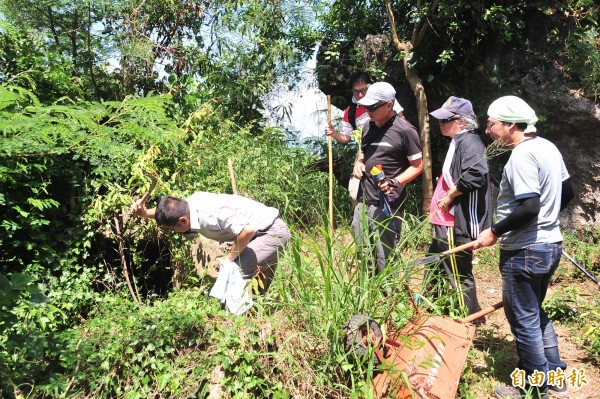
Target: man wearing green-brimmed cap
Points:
(535, 187)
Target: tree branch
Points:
(418, 38)
(121, 242)
(401, 46)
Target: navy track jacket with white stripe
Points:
(469, 168)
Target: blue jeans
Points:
(525, 277)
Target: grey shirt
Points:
(221, 217)
(534, 168)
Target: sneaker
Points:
(506, 392)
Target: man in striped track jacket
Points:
(461, 206)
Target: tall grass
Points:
(322, 282)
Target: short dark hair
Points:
(521, 126)
(358, 77)
(170, 209)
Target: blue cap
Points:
(454, 106)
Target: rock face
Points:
(570, 121)
(573, 124)
(205, 253)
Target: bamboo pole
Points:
(232, 176)
(330, 153)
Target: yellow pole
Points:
(231, 176)
(330, 153)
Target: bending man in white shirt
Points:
(256, 230)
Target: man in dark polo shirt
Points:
(392, 142)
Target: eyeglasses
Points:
(372, 108)
(490, 125)
(362, 91)
(443, 121)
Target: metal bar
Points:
(594, 279)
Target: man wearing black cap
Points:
(461, 204)
(391, 142)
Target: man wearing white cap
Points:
(535, 187)
(392, 143)
(355, 117)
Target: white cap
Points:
(378, 92)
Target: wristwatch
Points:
(494, 232)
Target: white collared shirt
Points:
(221, 217)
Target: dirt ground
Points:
(495, 336)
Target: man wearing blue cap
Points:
(461, 205)
(535, 187)
(391, 142)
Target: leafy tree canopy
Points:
(453, 39)
(235, 51)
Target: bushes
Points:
(21, 343)
(581, 312)
(266, 169)
(69, 173)
(168, 349)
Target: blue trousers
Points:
(525, 277)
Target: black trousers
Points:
(453, 267)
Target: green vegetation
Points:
(460, 38)
(70, 173)
(77, 136)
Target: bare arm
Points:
(359, 166)
(485, 239)
(445, 203)
(240, 243)
(330, 130)
(139, 208)
(412, 172)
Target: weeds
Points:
(564, 305)
(327, 282)
(290, 345)
(583, 244)
(590, 338)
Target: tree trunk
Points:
(90, 51)
(73, 37)
(416, 85)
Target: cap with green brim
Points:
(513, 109)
